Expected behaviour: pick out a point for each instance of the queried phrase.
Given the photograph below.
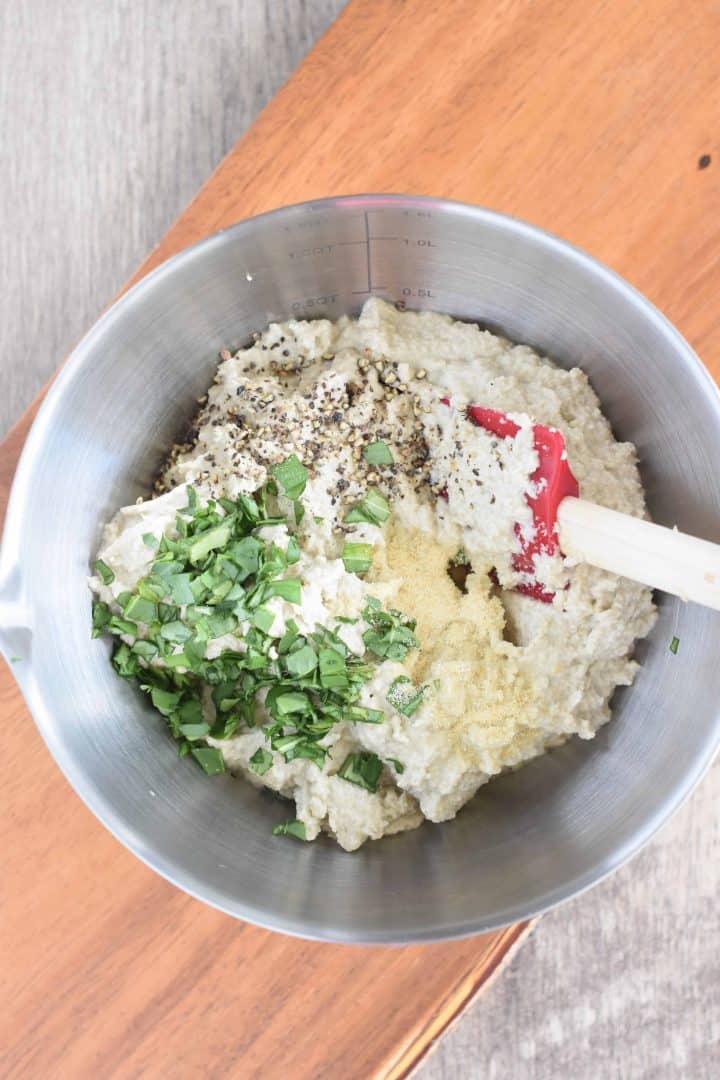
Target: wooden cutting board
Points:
(595, 121)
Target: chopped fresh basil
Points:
(291, 828)
(378, 453)
(397, 765)
(149, 540)
(118, 625)
(288, 588)
(100, 617)
(104, 572)
(263, 619)
(302, 661)
(404, 696)
(390, 633)
(374, 508)
(261, 761)
(291, 476)
(176, 632)
(292, 553)
(674, 645)
(124, 662)
(245, 554)
(180, 588)
(140, 609)
(165, 701)
(215, 578)
(209, 758)
(195, 731)
(363, 715)
(357, 557)
(209, 541)
(193, 501)
(363, 769)
(290, 702)
(333, 669)
(145, 649)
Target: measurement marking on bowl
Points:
(329, 250)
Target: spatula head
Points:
(552, 481)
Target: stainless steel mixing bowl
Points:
(529, 839)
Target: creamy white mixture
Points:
(506, 676)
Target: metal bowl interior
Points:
(529, 839)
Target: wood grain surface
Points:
(591, 121)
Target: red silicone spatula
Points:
(663, 558)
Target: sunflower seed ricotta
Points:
(498, 677)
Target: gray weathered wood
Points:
(112, 114)
(622, 983)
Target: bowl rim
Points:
(11, 611)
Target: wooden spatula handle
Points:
(637, 549)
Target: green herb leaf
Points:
(191, 711)
(195, 731)
(104, 572)
(310, 750)
(118, 625)
(301, 662)
(179, 588)
(167, 613)
(164, 569)
(291, 476)
(390, 633)
(404, 696)
(263, 619)
(245, 554)
(397, 765)
(101, 615)
(147, 650)
(363, 769)
(152, 588)
(249, 508)
(209, 758)
(291, 702)
(218, 575)
(674, 645)
(333, 670)
(288, 588)
(124, 662)
(149, 540)
(364, 715)
(261, 761)
(220, 624)
(292, 553)
(209, 541)
(165, 701)
(193, 501)
(291, 828)
(141, 610)
(378, 453)
(374, 508)
(357, 557)
(176, 632)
